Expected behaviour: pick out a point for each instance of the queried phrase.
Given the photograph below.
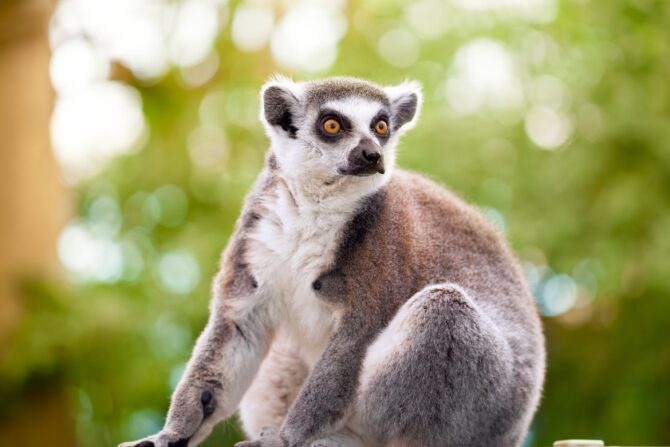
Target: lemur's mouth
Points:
(363, 171)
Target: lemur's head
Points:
(337, 130)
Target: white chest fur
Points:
(293, 243)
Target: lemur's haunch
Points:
(357, 304)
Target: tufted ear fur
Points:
(280, 100)
(405, 104)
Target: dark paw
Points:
(158, 440)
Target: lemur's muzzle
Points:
(364, 159)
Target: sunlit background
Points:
(124, 176)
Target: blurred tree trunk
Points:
(31, 200)
(31, 197)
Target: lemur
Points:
(358, 304)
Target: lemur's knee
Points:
(440, 295)
(443, 359)
(416, 320)
(446, 319)
(435, 309)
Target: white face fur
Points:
(338, 134)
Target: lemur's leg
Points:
(276, 385)
(440, 374)
(224, 362)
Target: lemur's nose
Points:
(366, 158)
(371, 155)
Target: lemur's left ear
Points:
(405, 104)
(280, 99)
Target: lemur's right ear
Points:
(406, 101)
(280, 100)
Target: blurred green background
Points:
(131, 137)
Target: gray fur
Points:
(404, 108)
(330, 389)
(320, 92)
(279, 108)
(342, 438)
(470, 376)
(438, 342)
(459, 371)
(235, 278)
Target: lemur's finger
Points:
(140, 443)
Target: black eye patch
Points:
(382, 115)
(327, 114)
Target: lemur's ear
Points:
(280, 98)
(405, 104)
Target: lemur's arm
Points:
(331, 387)
(329, 391)
(224, 361)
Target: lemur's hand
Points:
(269, 438)
(162, 439)
(185, 424)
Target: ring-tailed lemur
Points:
(359, 305)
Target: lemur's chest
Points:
(291, 245)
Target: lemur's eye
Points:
(331, 126)
(381, 127)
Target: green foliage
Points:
(590, 216)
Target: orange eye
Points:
(381, 127)
(331, 126)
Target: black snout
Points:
(364, 159)
(371, 156)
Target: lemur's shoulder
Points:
(234, 277)
(424, 202)
(442, 234)
(410, 233)
(410, 186)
